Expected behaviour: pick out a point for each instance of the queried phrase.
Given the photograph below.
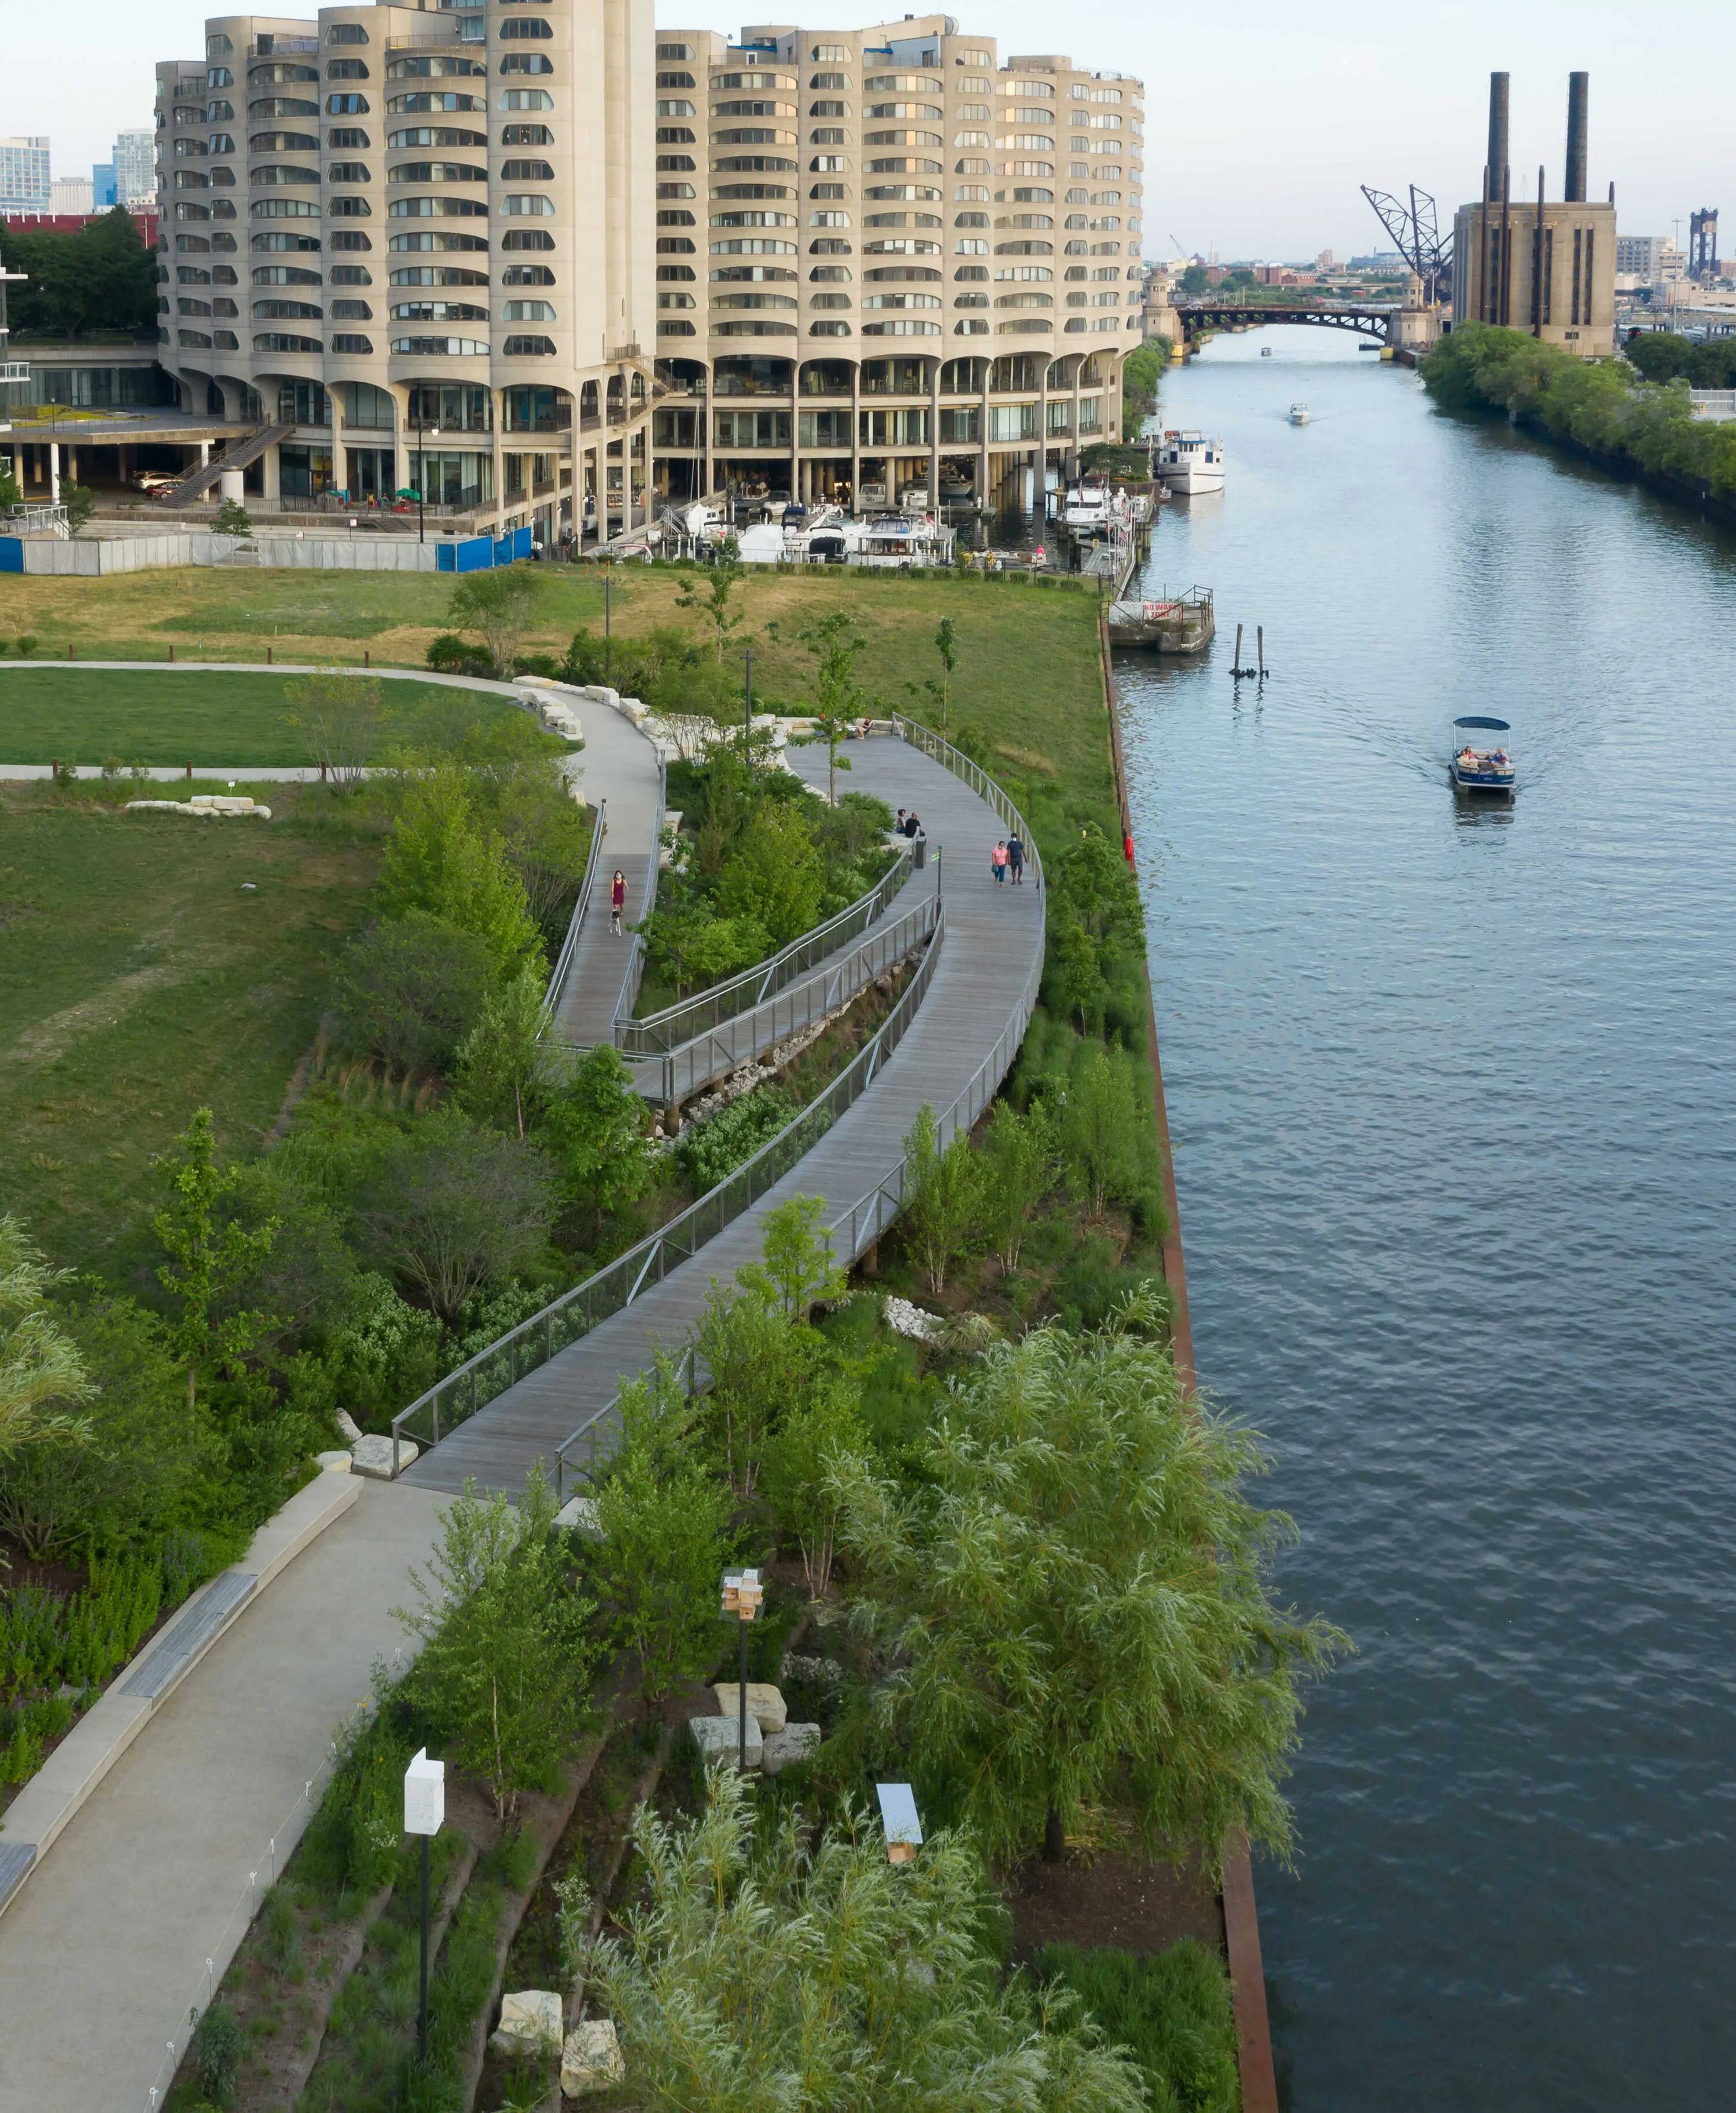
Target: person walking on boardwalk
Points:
(998, 861)
(617, 901)
(1016, 860)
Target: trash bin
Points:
(919, 850)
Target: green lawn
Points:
(50, 709)
(139, 978)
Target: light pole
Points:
(747, 713)
(424, 1809)
(742, 1594)
(433, 432)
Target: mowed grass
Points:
(140, 979)
(87, 715)
(1028, 674)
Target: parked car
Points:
(153, 483)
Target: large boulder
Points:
(795, 1742)
(719, 1739)
(591, 2058)
(765, 1705)
(371, 1455)
(348, 1429)
(530, 2023)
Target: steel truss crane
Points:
(1416, 234)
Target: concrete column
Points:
(855, 438)
(1079, 368)
(270, 491)
(72, 465)
(1042, 439)
(496, 413)
(204, 454)
(54, 472)
(982, 445)
(934, 439)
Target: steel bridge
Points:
(1363, 319)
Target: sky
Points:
(1262, 118)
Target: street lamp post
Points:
(742, 1594)
(424, 1809)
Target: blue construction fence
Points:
(477, 553)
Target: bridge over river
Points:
(1378, 321)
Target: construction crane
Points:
(1417, 236)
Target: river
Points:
(1454, 1110)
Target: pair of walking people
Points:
(1008, 858)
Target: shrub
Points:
(1104, 1128)
(450, 654)
(594, 1128)
(943, 1195)
(711, 1150)
(441, 859)
(216, 2049)
(1173, 2013)
(409, 990)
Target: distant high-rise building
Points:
(1703, 244)
(70, 195)
(24, 175)
(1641, 256)
(101, 186)
(135, 168)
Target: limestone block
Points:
(591, 2058)
(371, 1456)
(332, 1463)
(905, 1319)
(581, 1514)
(719, 1739)
(528, 2020)
(765, 1705)
(795, 1742)
(348, 1429)
(632, 709)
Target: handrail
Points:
(569, 945)
(679, 1023)
(722, 1049)
(609, 1289)
(875, 1210)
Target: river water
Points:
(1454, 1109)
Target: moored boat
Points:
(1191, 462)
(1299, 415)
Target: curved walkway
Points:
(991, 952)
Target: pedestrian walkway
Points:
(985, 977)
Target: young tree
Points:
(339, 717)
(506, 1644)
(595, 1127)
(1070, 1597)
(208, 1254)
(502, 1067)
(411, 989)
(40, 1365)
(838, 698)
(712, 602)
(232, 518)
(761, 1359)
(1020, 1163)
(441, 859)
(1103, 1127)
(792, 1968)
(938, 691)
(943, 1192)
(799, 1270)
(80, 502)
(498, 606)
(775, 874)
(454, 1208)
(808, 1461)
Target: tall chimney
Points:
(1578, 85)
(1497, 154)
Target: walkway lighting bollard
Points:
(742, 1594)
(424, 1809)
(898, 1815)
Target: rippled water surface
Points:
(1455, 1120)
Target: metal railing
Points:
(564, 960)
(686, 1070)
(565, 1320)
(678, 1024)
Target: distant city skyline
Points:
(1264, 122)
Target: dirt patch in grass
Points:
(1110, 1899)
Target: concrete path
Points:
(992, 944)
(103, 1952)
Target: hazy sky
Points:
(1262, 119)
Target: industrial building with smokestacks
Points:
(1531, 263)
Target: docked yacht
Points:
(1191, 462)
(1299, 415)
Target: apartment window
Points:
(674, 51)
(828, 220)
(346, 106)
(674, 215)
(346, 135)
(346, 69)
(531, 204)
(677, 80)
(527, 172)
(525, 62)
(524, 27)
(830, 54)
(348, 173)
(514, 98)
(346, 33)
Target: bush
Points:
(450, 654)
(1173, 2013)
(408, 992)
(710, 1151)
(216, 2049)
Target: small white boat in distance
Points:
(1191, 462)
(1299, 415)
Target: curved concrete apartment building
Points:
(544, 261)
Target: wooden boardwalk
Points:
(991, 949)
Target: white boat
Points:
(1085, 508)
(1191, 462)
(1299, 415)
(1265, 352)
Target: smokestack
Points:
(1498, 155)
(1578, 85)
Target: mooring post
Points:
(1260, 648)
(1236, 664)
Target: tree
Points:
(939, 692)
(806, 1464)
(454, 1208)
(1195, 279)
(712, 601)
(498, 606)
(441, 859)
(773, 1967)
(775, 875)
(232, 518)
(759, 1359)
(507, 1646)
(209, 1253)
(339, 717)
(1020, 1163)
(411, 989)
(40, 1365)
(1070, 1600)
(594, 1126)
(943, 1191)
(798, 1270)
(1103, 1129)
(835, 641)
(101, 278)
(546, 837)
(663, 1518)
(80, 502)
(502, 1067)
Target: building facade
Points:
(1561, 288)
(548, 265)
(134, 165)
(24, 181)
